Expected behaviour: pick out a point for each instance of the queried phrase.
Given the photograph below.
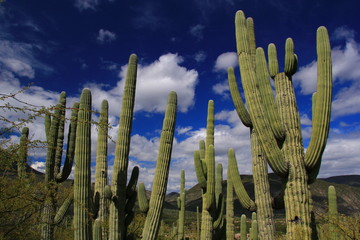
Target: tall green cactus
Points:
(181, 206)
(117, 229)
(197, 223)
(212, 199)
(286, 155)
(23, 150)
(101, 172)
(262, 202)
(243, 227)
(54, 129)
(152, 222)
(230, 228)
(333, 214)
(82, 176)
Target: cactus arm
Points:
(82, 176)
(253, 98)
(218, 182)
(210, 125)
(243, 227)
(23, 150)
(267, 95)
(250, 31)
(210, 183)
(254, 230)
(219, 213)
(60, 214)
(97, 230)
(237, 100)
(117, 208)
(181, 205)
(142, 199)
(60, 136)
(200, 174)
(47, 121)
(239, 189)
(290, 66)
(230, 228)
(322, 108)
(70, 151)
(131, 187)
(333, 214)
(273, 60)
(152, 222)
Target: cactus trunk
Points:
(82, 176)
(152, 222)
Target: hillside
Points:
(348, 192)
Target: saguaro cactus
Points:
(152, 222)
(117, 230)
(101, 172)
(54, 129)
(82, 176)
(23, 149)
(204, 161)
(333, 214)
(243, 227)
(230, 229)
(181, 206)
(286, 155)
(262, 202)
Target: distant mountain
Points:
(347, 187)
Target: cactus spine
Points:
(82, 176)
(119, 178)
(287, 159)
(101, 174)
(54, 129)
(181, 206)
(230, 229)
(23, 149)
(153, 217)
(262, 202)
(333, 214)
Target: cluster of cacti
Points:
(212, 219)
(181, 206)
(54, 129)
(282, 143)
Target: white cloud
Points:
(154, 82)
(341, 155)
(226, 60)
(183, 130)
(105, 36)
(197, 31)
(20, 68)
(305, 120)
(222, 89)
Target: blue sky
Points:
(184, 46)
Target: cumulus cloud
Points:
(154, 82)
(105, 36)
(226, 60)
(222, 89)
(197, 31)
